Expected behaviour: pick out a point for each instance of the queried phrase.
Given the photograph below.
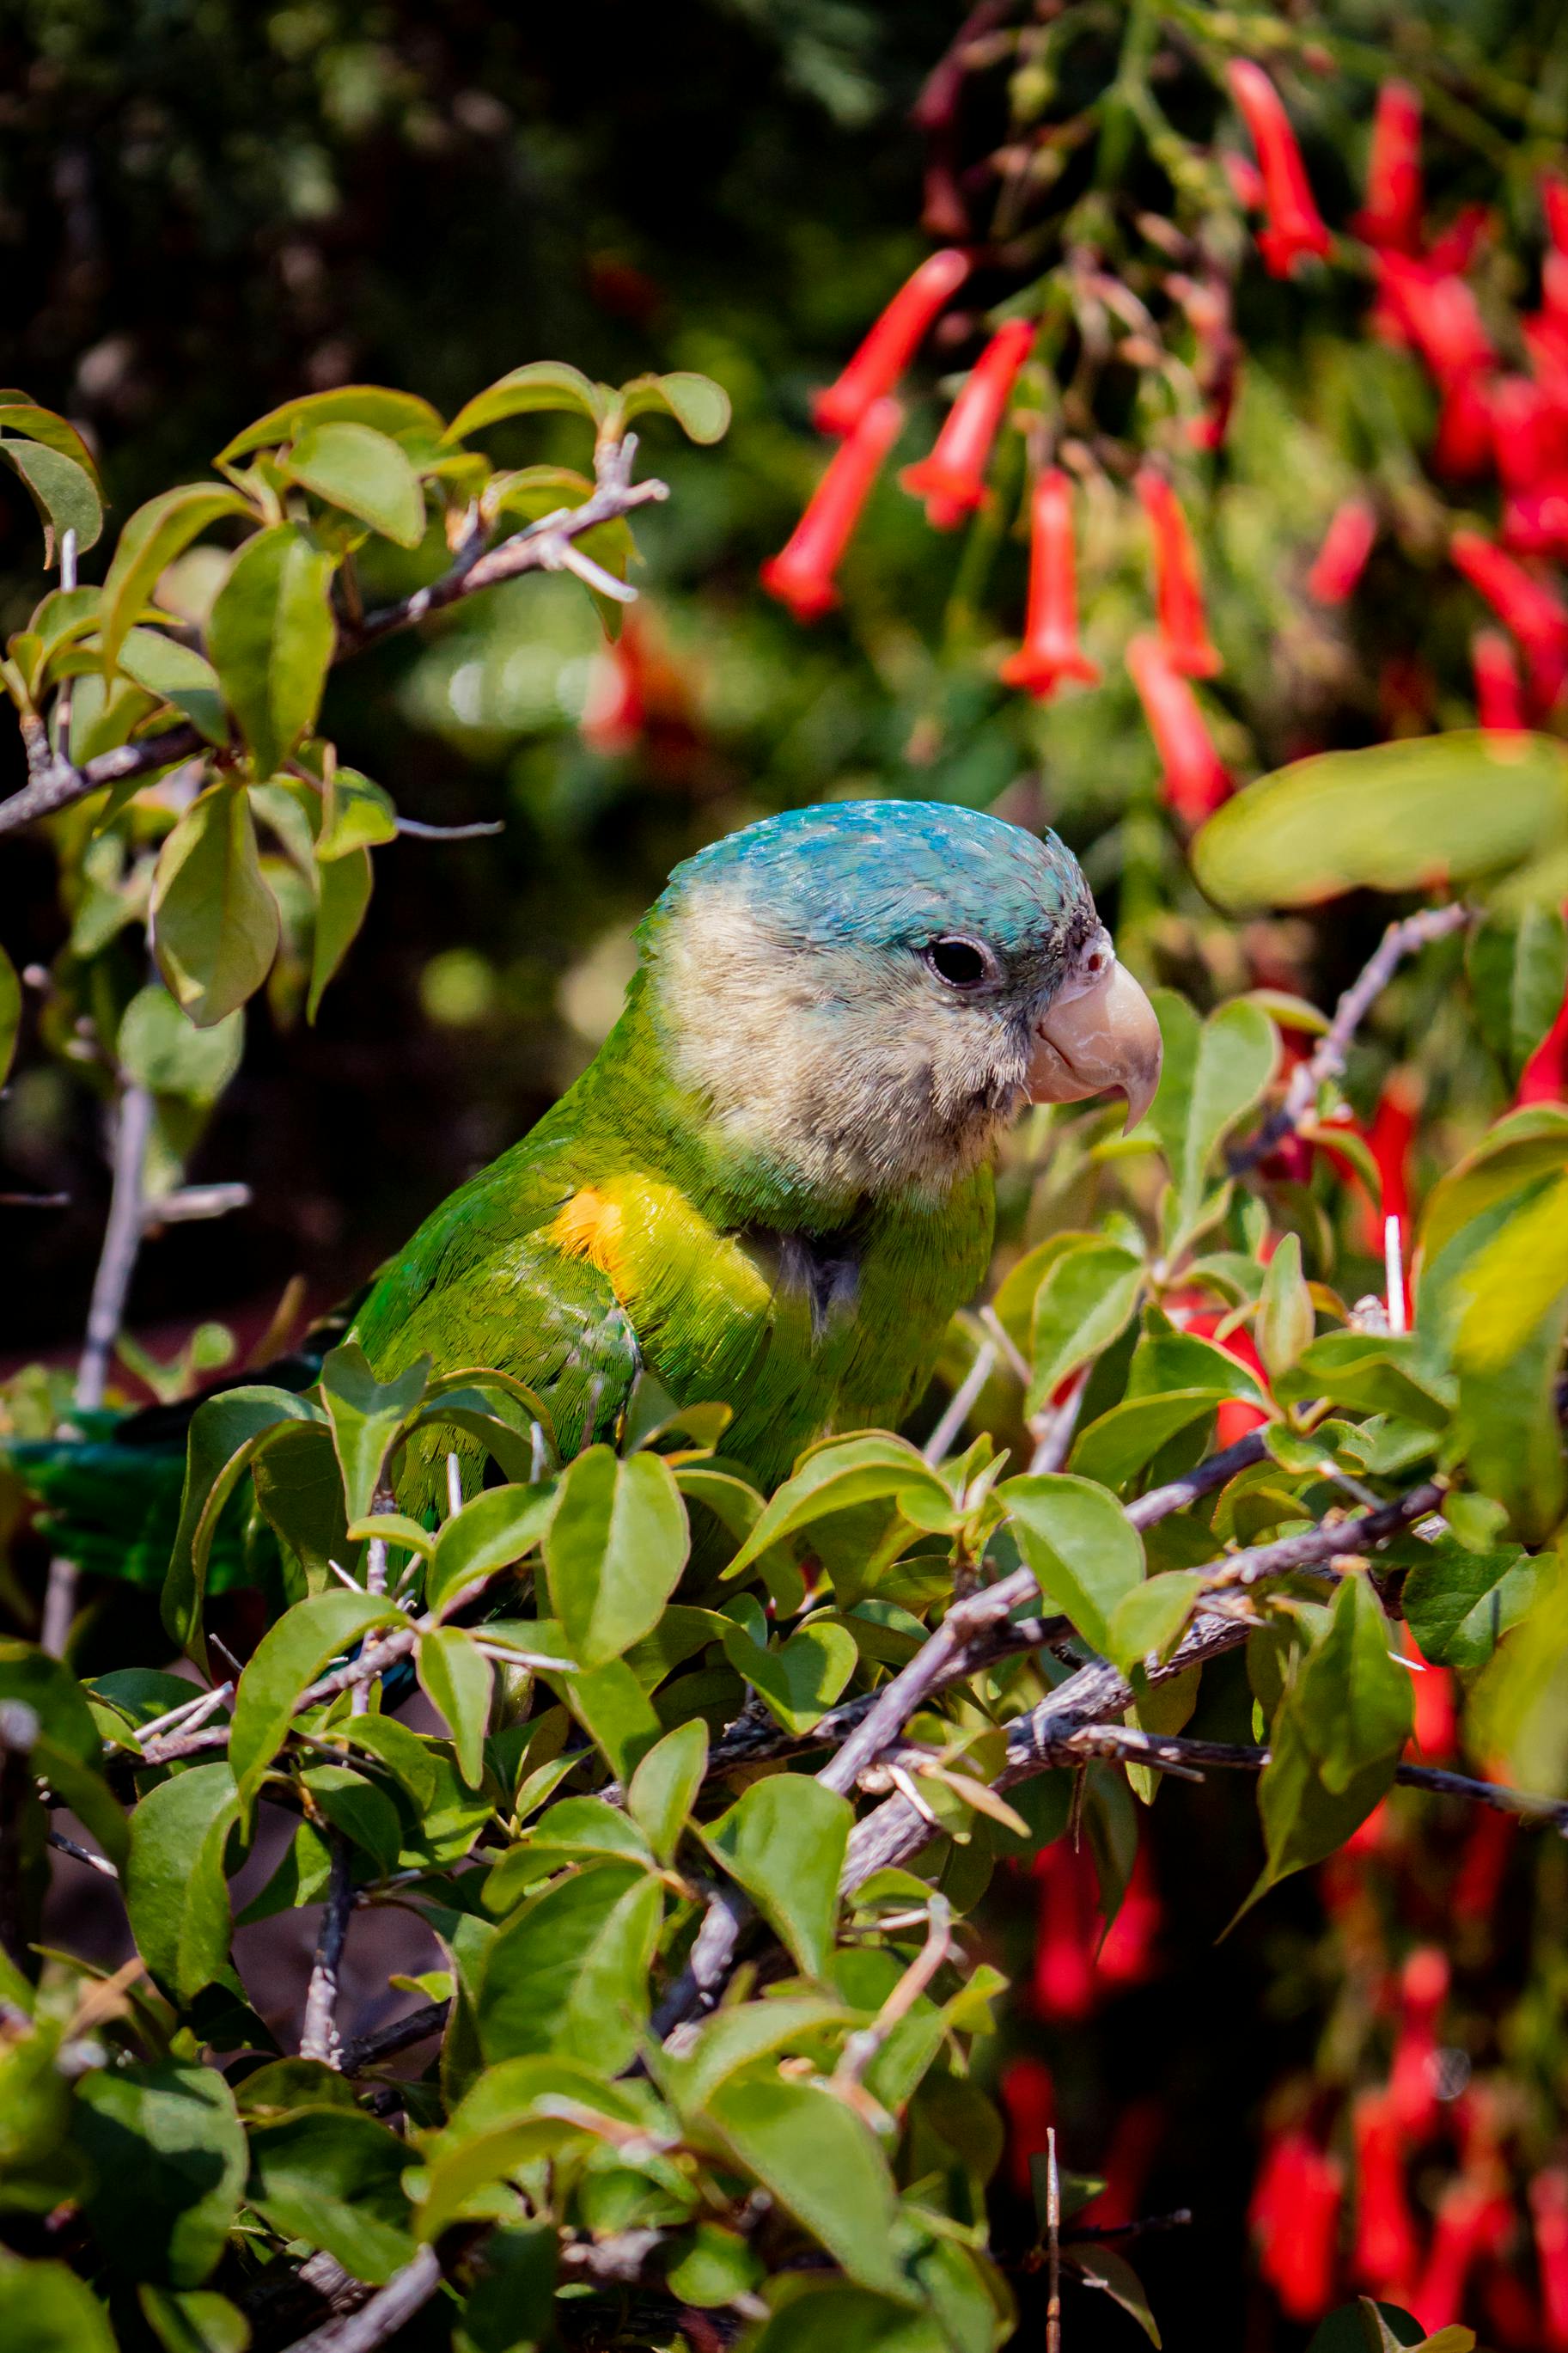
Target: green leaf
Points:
(1286, 1321)
(160, 1047)
(823, 2312)
(1079, 1544)
(850, 1471)
(823, 2165)
(456, 1682)
(48, 1688)
(168, 2153)
(617, 1714)
(1148, 1619)
(354, 467)
(46, 2309)
(225, 1433)
(1517, 1282)
(784, 1841)
(342, 894)
(799, 1681)
(1371, 1372)
(194, 2320)
(1103, 2268)
(739, 2034)
(1117, 1445)
(355, 815)
(614, 1552)
(366, 1415)
(334, 2178)
(716, 2266)
(1085, 1302)
(176, 1891)
(510, 2309)
(270, 639)
(300, 1492)
(494, 1528)
(663, 1789)
(214, 922)
(542, 384)
(1518, 969)
(1352, 1698)
(285, 1663)
(10, 1013)
(22, 419)
(1459, 1604)
(358, 1811)
(1365, 2326)
(569, 1972)
(63, 492)
(1518, 1713)
(155, 534)
(698, 406)
(1392, 817)
(392, 413)
(1214, 1070)
(177, 674)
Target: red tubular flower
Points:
(1051, 651)
(1472, 2221)
(1423, 1989)
(1126, 1956)
(1554, 204)
(1462, 447)
(1549, 2215)
(951, 480)
(1436, 1733)
(1342, 558)
(1471, 227)
(1438, 312)
(1524, 604)
(1499, 696)
(891, 343)
(1184, 631)
(1390, 217)
(1385, 2255)
(1068, 1927)
(1480, 1879)
(1390, 1137)
(1295, 2215)
(1195, 780)
(1545, 1078)
(1530, 433)
(1029, 2101)
(801, 574)
(1293, 225)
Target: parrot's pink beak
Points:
(1099, 1037)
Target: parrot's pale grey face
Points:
(863, 994)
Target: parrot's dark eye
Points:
(961, 963)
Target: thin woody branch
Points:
(319, 2037)
(544, 546)
(1328, 1061)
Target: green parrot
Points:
(772, 1186)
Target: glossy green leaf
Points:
(1285, 1320)
(698, 406)
(1103, 2268)
(194, 2320)
(784, 1841)
(834, 1478)
(798, 1680)
(1517, 1282)
(300, 1491)
(612, 1705)
(179, 675)
(1117, 1445)
(46, 1687)
(168, 2153)
(374, 405)
(1352, 1697)
(214, 922)
(614, 1552)
(456, 1681)
(1366, 2327)
(1084, 1301)
(1517, 968)
(568, 1973)
(287, 1660)
(739, 2034)
(270, 639)
(1214, 1072)
(355, 815)
(494, 1528)
(161, 1048)
(542, 384)
(1079, 1544)
(663, 1789)
(351, 466)
(23, 420)
(155, 534)
(822, 2163)
(359, 1810)
(1371, 1372)
(1517, 1719)
(823, 2311)
(342, 895)
(1459, 1604)
(1147, 1620)
(509, 2307)
(1404, 816)
(63, 492)
(224, 1434)
(334, 2178)
(365, 1416)
(46, 2309)
(176, 1890)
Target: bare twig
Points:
(1053, 2246)
(319, 2037)
(1328, 1061)
(99, 1863)
(1052, 1430)
(860, 2049)
(956, 1411)
(544, 546)
(385, 2041)
(384, 2313)
(374, 1660)
(1180, 1495)
(1142, 2227)
(193, 1202)
(121, 1242)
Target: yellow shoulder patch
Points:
(590, 1227)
